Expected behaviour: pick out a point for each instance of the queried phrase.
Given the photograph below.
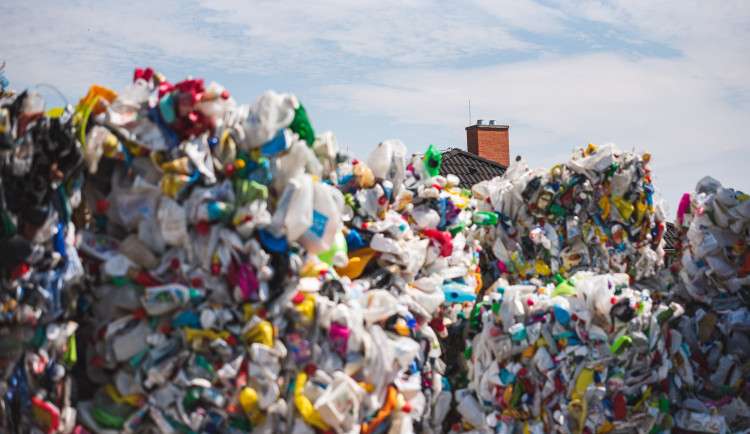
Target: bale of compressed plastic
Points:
(712, 275)
(595, 212)
(251, 277)
(40, 271)
(570, 338)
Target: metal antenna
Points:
(55, 90)
(469, 111)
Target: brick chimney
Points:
(489, 141)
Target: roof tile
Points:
(470, 168)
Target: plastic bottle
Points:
(300, 214)
(481, 218)
(388, 160)
(328, 206)
(266, 117)
(339, 405)
(337, 254)
(138, 252)
(159, 300)
(432, 160)
(470, 410)
(386, 245)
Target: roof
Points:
(470, 168)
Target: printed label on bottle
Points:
(319, 224)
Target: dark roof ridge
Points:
(474, 156)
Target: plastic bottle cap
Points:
(225, 94)
(56, 372)
(230, 170)
(174, 263)
(208, 319)
(298, 298)
(196, 282)
(310, 369)
(613, 300)
(203, 227)
(139, 314)
(102, 205)
(53, 332)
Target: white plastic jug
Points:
(328, 206)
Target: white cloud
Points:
(525, 15)
(404, 33)
(667, 76)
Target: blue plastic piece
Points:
(170, 135)
(506, 377)
(60, 241)
(561, 315)
(261, 173)
(187, 319)
(274, 244)
(354, 241)
(457, 293)
(277, 144)
(446, 384)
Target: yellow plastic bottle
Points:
(249, 403)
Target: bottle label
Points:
(319, 224)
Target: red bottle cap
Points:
(299, 297)
(203, 227)
(102, 205)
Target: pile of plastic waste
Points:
(590, 350)
(591, 354)
(595, 212)
(238, 273)
(250, 276)
(40, 272)
(713, 282)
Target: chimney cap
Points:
(489, 126)
(492, 122)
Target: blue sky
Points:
(668, 77)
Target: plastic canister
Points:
(339, 405)
(328, 206)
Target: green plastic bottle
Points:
(432, 160)
(301, 125)
(482, 218)
(563, 287)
